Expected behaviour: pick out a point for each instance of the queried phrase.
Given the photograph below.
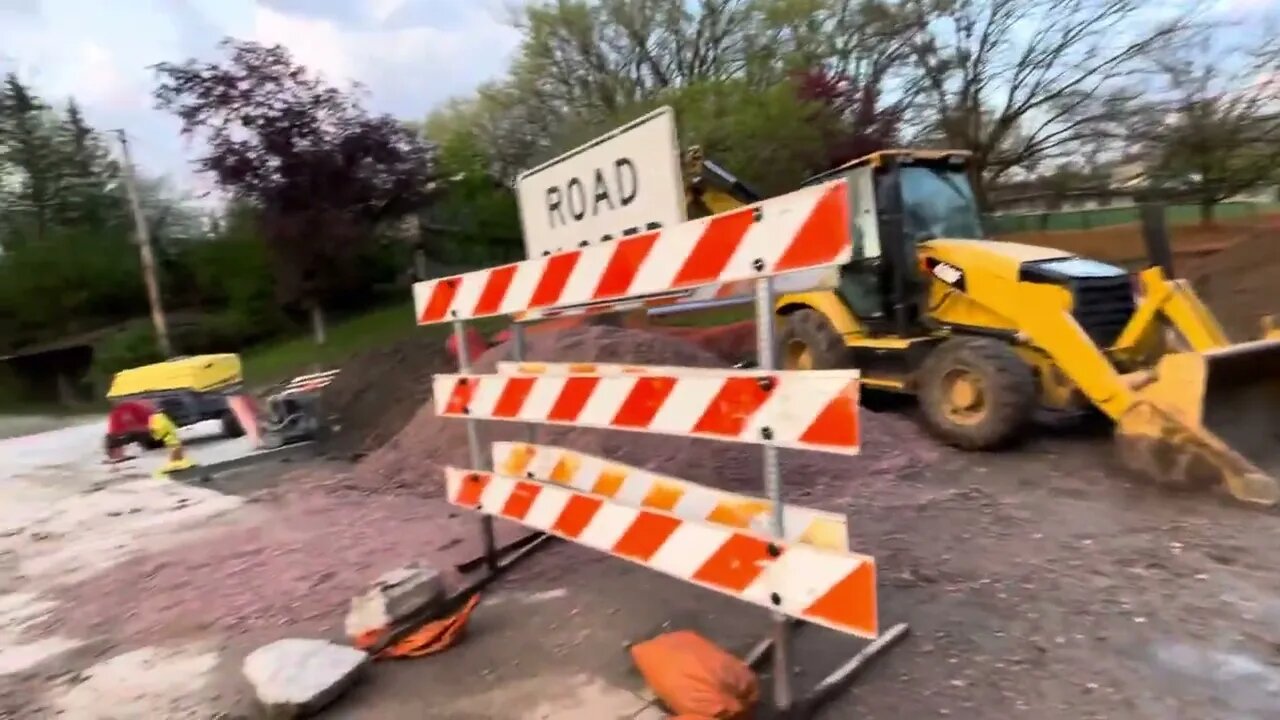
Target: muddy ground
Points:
(1038, 583)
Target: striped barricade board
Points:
(508, 367)
(805, 230)
(804, 410)
(687, 500)
(833, 589)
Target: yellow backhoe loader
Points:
(983, 333)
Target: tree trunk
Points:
(1206, 212)
(318, 330)
(420, 264)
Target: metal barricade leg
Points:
(767, 359)
(473, 442)
(518, 351)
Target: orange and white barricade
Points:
(804, 410)
(804, 230)
(835, 589)
(794, 561)
(648, 490)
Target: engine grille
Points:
(1103, 306)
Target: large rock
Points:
(395, 596)
(296, 677)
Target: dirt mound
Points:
(379, 390)
(733, 343)
(411, 462)
(1239, 283)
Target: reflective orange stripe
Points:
(837, 424)
(624, 264)
(710, 256)
(553, 279)
(824, 233)
(495, 289)
(644, 401)
(733, 406)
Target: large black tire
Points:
(807, 341)
(992, 372)
(231, 425)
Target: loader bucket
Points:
(1210, 419)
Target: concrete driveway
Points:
(64, 516)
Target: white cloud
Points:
(406, 70)
(319, 44)
(380, 10)
(96, 79)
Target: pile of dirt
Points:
(379, 390)
(733, 343)
(331, 530)
(288, 572)
(411, 462)
(1239, 283)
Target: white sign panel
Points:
(619, 184)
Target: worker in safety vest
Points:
(128, 423)
(164, 430)
(136, 421)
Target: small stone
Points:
(297, 677)
(395, 596)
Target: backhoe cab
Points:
(983, 333)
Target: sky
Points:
(411, 55)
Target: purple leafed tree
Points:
(323, 171)
(856, 123)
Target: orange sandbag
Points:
(429, 639)
(694, 677)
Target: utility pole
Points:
(144, 251)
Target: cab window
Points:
(938, 202)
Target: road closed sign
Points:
(619, 184)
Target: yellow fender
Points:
(825, 302)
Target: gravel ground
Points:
(1039, 582)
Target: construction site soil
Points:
(379, 390)
(334, 527)
(1239, 283)
(411, 461)
(1038, 582)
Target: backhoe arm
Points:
(1177, 302)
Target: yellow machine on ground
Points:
(984, 333)
(187, 390)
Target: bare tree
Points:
(1211, 120)
(1020, 81)
(771, 80)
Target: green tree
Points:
(1211, 120)
(26, 144)
(736, 70)
(88, 193)
(473, 216)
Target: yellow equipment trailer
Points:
(983, 333)
(187, 389)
